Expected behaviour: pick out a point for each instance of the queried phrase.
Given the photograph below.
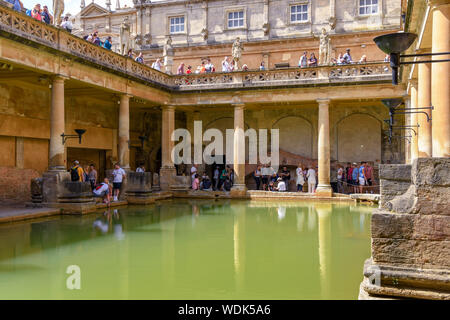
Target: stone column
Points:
(167, 171)
(324, 186)
(57, 155)
(440, 92)
(424, 100)
(124, 131)
(413, 121)
(239, 150)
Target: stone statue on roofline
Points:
(168, 55)
(236, 52)
(124, 36)
(58, 9)
(324, 48)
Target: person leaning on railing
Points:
(16, 4)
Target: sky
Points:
(73, 6)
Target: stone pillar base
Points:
(324, 191)
(166, 177)
(238, 191)
(139, 188)
(382, 281)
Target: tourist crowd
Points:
(102, 189)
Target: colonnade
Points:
(432, 88)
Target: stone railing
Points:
(15, 24)
(375, 71)
(20, 25)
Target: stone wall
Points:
(15, 184)
(411, 233)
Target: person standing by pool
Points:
(76, 172)
(340, 177)
(195, 182)
(216, 176)
(118, 175)
(355, 175)
(257, 176)
(311, 176)
(286, 176)
(92, 176)
(265, 175)
(140, 169)
(300, 178)
(362, 177)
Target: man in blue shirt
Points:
(17, 5)
(347, 57)
(355, 174)
(361, 177)
(108, 43)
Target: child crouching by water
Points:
(103, 190)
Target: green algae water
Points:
(182, 249)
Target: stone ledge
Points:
(404, 282)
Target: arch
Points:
(359, 138)
(296, 135)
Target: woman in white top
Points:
(311, 175)
(157, 65)
(226, 65)
(300, 178)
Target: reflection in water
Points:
(239, 245)
(190, 250)
(311, 218)
(300, 219)
(324, 215)
(281, 213)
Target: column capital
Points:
(59, 78)
(323, 101)
(238, 105)
(168, 108)
(126, 95)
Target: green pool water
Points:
(191, 250)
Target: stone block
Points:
(432, 200)
(410, 226)
(434, 172)
(139, 182)
(415, 253)
(399, 172)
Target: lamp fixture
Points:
(394, 44)
(79, 134)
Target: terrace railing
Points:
(374, 71)
(15, 24)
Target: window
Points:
(236, 19)
(299, 13)
(368, 7)
(177, 24)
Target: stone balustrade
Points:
(17, 25)
(375, 71)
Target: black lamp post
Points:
(394, 44)
(79, 133)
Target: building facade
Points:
(273, 31)
(128, 108)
